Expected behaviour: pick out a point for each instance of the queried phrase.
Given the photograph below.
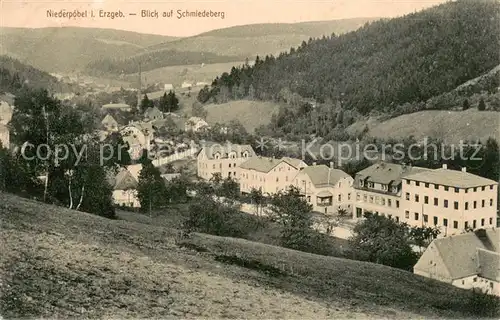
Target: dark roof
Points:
(322, 175)
(212, 148)
(387, 173)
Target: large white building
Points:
(222, 158)
(378, 189)
(450, 199)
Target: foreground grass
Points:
(59, 263)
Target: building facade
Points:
(325, 188)
(378, 189)
(452, 200)
(467, 261)
(223, 159)
(269, 175)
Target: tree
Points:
(198, 110)
(171, 102)
(481, 106)
(423, 236)
(229, 189)
(251, 92)
(204, 94)
(177, 189)
(257, 199)
(151, 190)
(382, 240)
(465, 105)
(146, 103)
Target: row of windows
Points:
(220, 165)
(377, 200)
(435, 220)
(456, 204)
(232, 155)
(383, 187)
(446, 188)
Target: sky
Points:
(33, 14)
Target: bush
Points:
(483, 305)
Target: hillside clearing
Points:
(60, 263)
(251, 114)
(451, 126)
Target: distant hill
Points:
(378, 67)
(68, 49)
(14, 74)
(228, 45)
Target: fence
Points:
(174, 157)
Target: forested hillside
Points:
(14, 74)
(154, 60)
(375, 69)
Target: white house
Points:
(124, 185)
(195, 124)
(222, 158)
(470, 260)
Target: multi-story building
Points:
(270, 175)
(325, 188)
(469, 260)
(223, 159)
(377, 189)
(452, 200)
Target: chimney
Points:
(464, 169)
(445, 166)
(331, 164)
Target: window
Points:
(474, 279)
(457, 190)
(417, 198)
(407, 214)
(475, 189)
(426, 218)
(277, 179)
(491, 187)
(389, 202)
(435, 221)
(383, 201)
(417, 183)
(213, 167)
(229, 165)
(416, 215)
(348, 196)
(427, 185)
(482, 203)
(340, 197)
(482, 222)
(466, 206)
(474, 204)
(436, 201)
(491, 202)
(308, 198)
(445, 222)
(407, 196)
(371, 199)
(474, 224)
(436, 186)
(397, 219)
(491, 221)
(466, 190)
(446, 203)
(426, 199)
(466, 224)
(229, 174)
(358, 197)
(455, 205)
(455, 224)
(397, 203)
(371, 185)
(407, 181)
(483, 188)
(446, 188)
(365, 197)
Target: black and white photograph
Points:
(249, 159)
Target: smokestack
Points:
(445, 166)
(464, 169)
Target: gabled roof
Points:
(323, 176)
(156, 95)
(109, 119)
(488, 264)
(123, 180)
(151, 112)
(459, 252)
(453, 178)
(212, 148)
(264, 164)
(386, 173)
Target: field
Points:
(452, 126)
(58, 263)
(251, 114)
(177, 74)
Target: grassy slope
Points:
(70, 48)
(61, 263)
(452, 126)
(251, 114)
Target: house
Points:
(327, 189)
(117, 106)
(378, 189)
(139, 136)
(153, 114)
(222, 158)
(453, 200)
(195, 124)
(168, 87)
(270, 175)
(470, 260)
(109, 123)
(124, 185)
(186, 85)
